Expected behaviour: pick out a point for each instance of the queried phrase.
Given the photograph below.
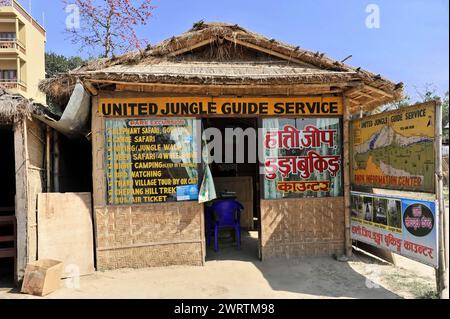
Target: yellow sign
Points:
(198, 106)
(395, 149)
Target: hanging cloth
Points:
(208, 189)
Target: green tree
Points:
(429, 93)
(56, 64)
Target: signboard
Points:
(151, 161)
(395, 150)
(302, 158)
(404, 226)
(198, 106)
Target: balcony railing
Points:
(23, 12)
(11, 84)
(12, 44)
(6, 3)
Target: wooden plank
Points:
(35, 146)
(442, 270)
(193, 47)
(270, 52)
(8, 252)
(98, 153)
(59, 213)
(21, 196)
(378, 91)
(7, 220)
(7, 239)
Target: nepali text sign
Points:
(405, 226)
(151, 161)
(198, 106)
(395, 150)
(302, 158)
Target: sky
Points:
(410, 44)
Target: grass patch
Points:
(418, 287)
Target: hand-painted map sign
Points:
(302, 158)
(395, 150)
(198, 106)
(151, 161)
(404, 226)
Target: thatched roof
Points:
(14, 107)
(223, 54)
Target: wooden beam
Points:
(231, 90)
(378, 91)
(327, 85)
(192, 47)
(268, 51)
(358, 86)
(234, 89)
(90, 88)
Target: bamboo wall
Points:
(302, 227)
(140, 236)
(173, 234)
(149, 236)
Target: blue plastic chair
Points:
(224, 214)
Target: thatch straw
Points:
(215, 42)
(14, 107)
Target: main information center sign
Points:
(395, 150)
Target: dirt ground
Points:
(232, 274)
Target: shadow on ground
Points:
(233, 274)
(321, 277)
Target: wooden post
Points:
(346, 130)
(56, 162)
(21, 200)
(442, 270)
(48, 161)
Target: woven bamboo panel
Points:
(302, 227)
(151, 256)
(149, 236)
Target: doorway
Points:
(236, 175)
(7, 205)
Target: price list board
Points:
(151, 161)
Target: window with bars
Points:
(8, 75)
(8, 36)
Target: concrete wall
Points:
(34, 38)
(35, 62)
(8, 64)
(302, 227)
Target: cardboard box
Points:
(42, 277)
